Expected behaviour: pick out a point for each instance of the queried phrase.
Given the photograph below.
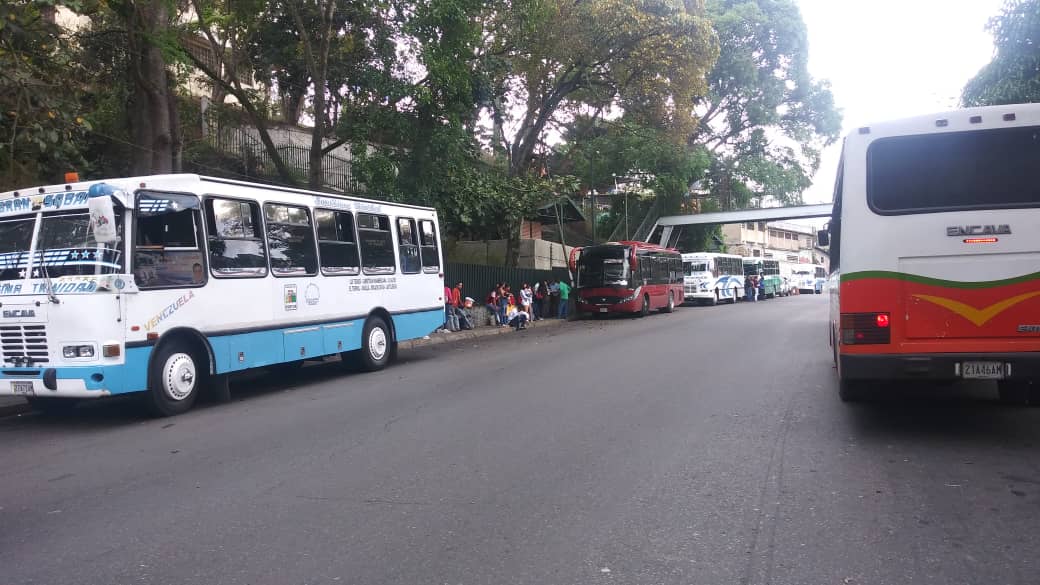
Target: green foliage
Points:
(764, 117)
(1013, 76)
(41, 123)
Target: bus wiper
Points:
(47, 279)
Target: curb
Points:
(439, 338)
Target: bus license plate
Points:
(602, 309)
(983, 370)
(22, 388)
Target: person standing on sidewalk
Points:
(554, 297)
(526, 298)
(565, 295)
(451, 319)
(540, 290)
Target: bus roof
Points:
(706, 255)
(978, 118)
(182, 178)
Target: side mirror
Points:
(823, 238)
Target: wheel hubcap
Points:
(377, 343)
(179, 376)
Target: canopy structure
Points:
(663, 230)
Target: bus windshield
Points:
(65, 247)
(690, 268)
(603, 266)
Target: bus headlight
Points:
(77, 351)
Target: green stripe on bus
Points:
(888, 274)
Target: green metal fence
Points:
(477, 280)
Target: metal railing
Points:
(477, 280)
(257, 162)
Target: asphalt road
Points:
(703, 447)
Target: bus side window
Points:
(377, 244)
(167, 250)
(408, 245)
(290, 240)
(337, 243)
(236, 248)
(428, 246)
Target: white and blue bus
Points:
(711, 278)
(809, 278)
(165, 285)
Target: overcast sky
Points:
(890, 59)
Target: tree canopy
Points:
(486, 109)
(1013, 76)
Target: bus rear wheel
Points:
(174, 380)
(376, 345)
(671, 304)
(1018, 392)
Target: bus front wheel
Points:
(176, 376)
(645, 310)
(733, 299)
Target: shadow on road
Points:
(943, 413)
(129, 409)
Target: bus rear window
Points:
(985, 169)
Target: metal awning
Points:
(569, 212)
(668, 223)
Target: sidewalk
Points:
(11, 405)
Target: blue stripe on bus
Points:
(258, 348)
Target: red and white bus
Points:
(935, 252)
(628, 277)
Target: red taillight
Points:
(980, 240)
(865, 328)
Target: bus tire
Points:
(376, 345)
(52, 406)
(1016, 393)
(852, 390)
(645, 309)
(174, 380)
(713, 301)
(733, 299)
(670, 306)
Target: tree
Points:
(1013, 76)
(153, 111)
(647, 56)
(764, 116)
(41, 122)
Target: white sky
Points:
(889, 59)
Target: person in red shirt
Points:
(451, 319)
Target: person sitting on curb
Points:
(517, 318)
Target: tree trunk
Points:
(151, 118)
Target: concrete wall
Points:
(537, 254)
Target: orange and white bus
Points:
(935, 252)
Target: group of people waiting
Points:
(544, 300)
(754, 287)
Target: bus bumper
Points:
(633, 306)
(936, 366)
(707, 295)
(93, 381)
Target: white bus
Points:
(935, 252)
(809, 278)
(711, 278)
(166, 284)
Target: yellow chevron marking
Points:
(978, 316)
